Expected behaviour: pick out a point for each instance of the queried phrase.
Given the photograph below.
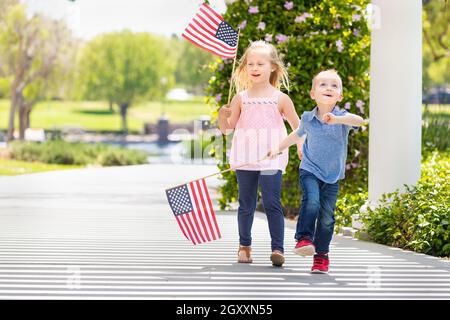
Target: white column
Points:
(395, 96)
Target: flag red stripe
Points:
(204, 42)
(199, 33)
(211, 209)
(187, 228)
(209, 35)
(211, 11)
(198, 211)
(204, 21)
(202, 31)
(200, 25)
(204, 209)
(207, 16)
(222, 45)
(207, 48)
(197, 195)
(194, 231)
(181, 227)
(197, 198)
(197, 229)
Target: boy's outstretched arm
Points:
(349, 119)
(288, 110)
(286, 143)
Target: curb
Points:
(354, 233)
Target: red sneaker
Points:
(305, 247)
(320, 264)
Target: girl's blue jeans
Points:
(270, 182)
(316, 218)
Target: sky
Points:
(87, 18)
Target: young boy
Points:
(324, 133)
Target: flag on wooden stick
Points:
(209, 31)
(193, 211)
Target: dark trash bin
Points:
(163, 129)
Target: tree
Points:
(436, 54)
(192, 67)
(125, 67)
(311, 36)
(32, 51)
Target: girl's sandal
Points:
(244, 254)
(277, 258)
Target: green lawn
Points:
(96, 116)
(436, 111)
(14, 167)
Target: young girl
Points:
(256, 116)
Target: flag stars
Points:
(179, 200)
(227, 34)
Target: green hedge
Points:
(347, 205)
(60, 152)
(311, 36)
(435, 129)
(417, 219)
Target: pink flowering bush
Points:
(311, 36)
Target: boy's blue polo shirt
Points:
(325, 147)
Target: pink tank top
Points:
(260, 128)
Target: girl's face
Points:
(258, 66)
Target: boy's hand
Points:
(272, 154)
(225, 112)
(300, 154)
(329, 118)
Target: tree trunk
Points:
(123, 113)
(24, 118)
(27, 115)
(111, 107)
(21, 123)
(12, 113)
(16, 100)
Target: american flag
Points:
(193, 211)
(210, 32)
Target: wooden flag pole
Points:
(223, 171)
(220, 172)
(234, 168)
(232, 70)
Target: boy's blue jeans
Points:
(270, 182)
(316, 219)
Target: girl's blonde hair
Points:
(277, 78)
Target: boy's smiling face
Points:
(327, 89)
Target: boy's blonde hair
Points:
(277, 78)
(329, 71)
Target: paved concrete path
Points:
(109, 233)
